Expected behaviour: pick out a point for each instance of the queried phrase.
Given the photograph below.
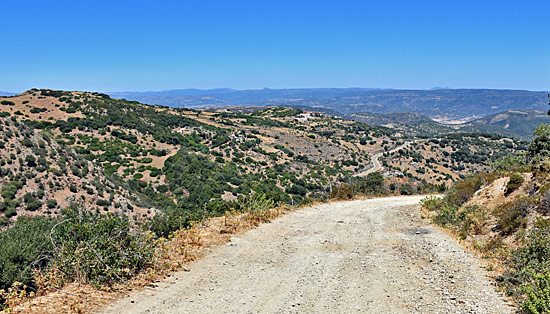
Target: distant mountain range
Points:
(4, 94)
(438, 103)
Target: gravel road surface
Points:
(364, 256)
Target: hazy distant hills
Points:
(446, 104)
(519, 124)
(389, 118)
(4, 94)
(513, 123)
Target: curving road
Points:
(365, 256)
(376, 163)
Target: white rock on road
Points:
(365, 256)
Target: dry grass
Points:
(173, 254)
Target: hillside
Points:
(409, 123)
(515, 123)
(450, 157)
(181, 160)
(441, 104)
(186, 162)
(41, 177)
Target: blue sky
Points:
(157, 45)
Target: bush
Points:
(102, 202)
(463, 191)
(516, 180)
(373, 184)
(100, 249)
(24, 247)
(146, 160)
(10, 212)
(30, 160)
(51, 203)
(527, 271)
(38, 110)
(406, 189)
(472, 220)
(538, 294)
(539, 148)
(511, 216)
(7, 103)
(34, 205)
(8, 191)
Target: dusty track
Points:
(366, 256)
(376, 163)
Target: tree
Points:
(539, 147)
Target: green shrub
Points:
(527, 271)
(462, 191)
(100, 249)
(471, 220)
(511, 215)
(539, 148)
(24, 247)
(406, 189)
(516, 180)
(257, 203)
(34, 205)
(51, 203)
(537, 293)
(102, 202)
(10, 212)
(30, 160)
(446, 215)
(146, 160)
(8, 191)
(7, 103)
(431, 203)
(38, 110)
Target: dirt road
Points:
(376, 162)
(366, 256)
